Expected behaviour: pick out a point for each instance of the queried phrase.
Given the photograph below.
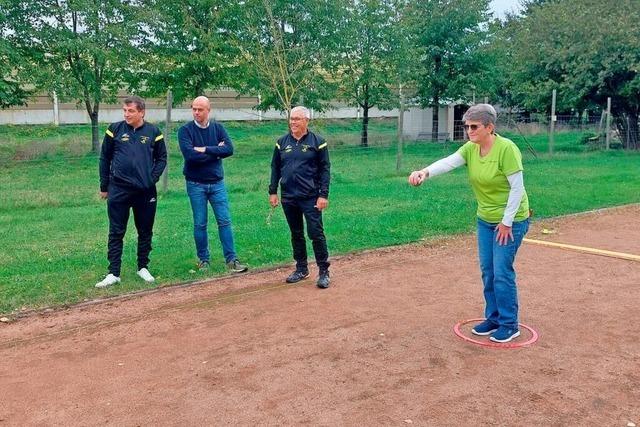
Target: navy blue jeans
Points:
(201, 195)
(498, 275)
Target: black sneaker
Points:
(203, 265)
(236, 266)
(297, 276)
(323, 280)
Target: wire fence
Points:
(38, 143)
(594, 129)
(588, 131)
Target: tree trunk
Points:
(364, 136)
(434, 117)
(95, 136)
(93, 116)
(95, 132)
(437, 63)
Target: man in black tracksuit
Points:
(301, 165)
(132, 159)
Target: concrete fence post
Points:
(56, 110)
(167, 131)
(607, 138)
(400, 131)
(552, 124)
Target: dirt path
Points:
(376, 348)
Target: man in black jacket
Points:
(204, 144)
(301, 165)
(132, 159)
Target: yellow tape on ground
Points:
(585, 250)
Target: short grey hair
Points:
(483, 113)
(304, 110)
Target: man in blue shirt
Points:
(204, 144)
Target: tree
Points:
(189, 49)
(283, 48)
(448, 35)
(12, 91)
(364, 55)
(84, 48)
(498, 82)
(588, 51)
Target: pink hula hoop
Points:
(458, 332)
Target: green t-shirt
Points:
(488, 178)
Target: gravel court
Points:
(376, 348)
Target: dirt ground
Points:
(377, 348)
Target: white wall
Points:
(109, 115)
(418, 122)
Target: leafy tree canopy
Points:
(190, 47)
(84, 50)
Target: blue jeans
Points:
(215, 194)
(498, 275)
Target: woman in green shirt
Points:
(494, 166)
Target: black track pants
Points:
(143, 203)
(295, 210)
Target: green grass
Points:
(53, 227)
(27, 143)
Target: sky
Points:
(500, 7)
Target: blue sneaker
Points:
(485, 328)
(505, 334)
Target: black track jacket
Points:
(302, 167)
(132, 158)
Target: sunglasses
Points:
(471, 127)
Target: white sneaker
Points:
(145, 275)
(109, 280)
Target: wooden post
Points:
(400, 131)
(552, 124)
(167, 129)
(607, 138)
